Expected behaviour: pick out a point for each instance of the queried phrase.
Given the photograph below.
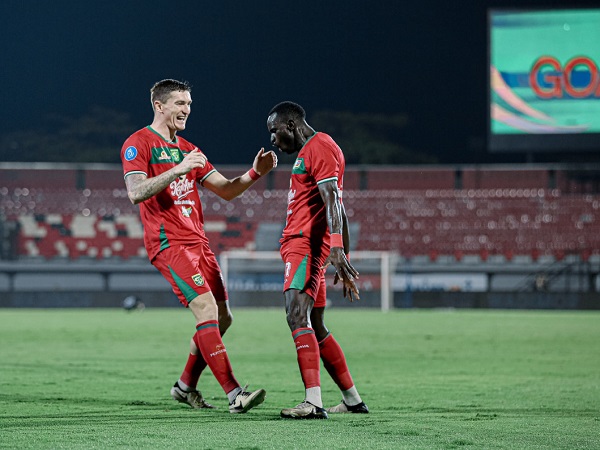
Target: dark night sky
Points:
(424, 58)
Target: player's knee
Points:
(204, 307)
(297, 307)
(297, 320)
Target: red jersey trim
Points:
(325, 180)
(207, 175)
(134, 171)
(308, 140)
(174, 141)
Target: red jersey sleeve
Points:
(202, 173)
(134, 156)
(324, 164)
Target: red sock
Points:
(208, 340)
(308, 356)
(335, 362)
(193, 368)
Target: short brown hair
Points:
(162, 89)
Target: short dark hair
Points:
(289, 110)
(162, 89)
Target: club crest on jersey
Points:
(130, 153)
(198, 280)
(164, 156)
(187, 212)
(175, 154)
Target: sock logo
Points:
(298, 347)
(220, 349)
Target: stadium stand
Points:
(462, 212)
(504, 179)
(409, 178)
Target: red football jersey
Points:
(174, 215)
(319, 160)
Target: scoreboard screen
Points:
(544, 80)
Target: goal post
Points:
(247, 271)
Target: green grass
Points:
(96, 378)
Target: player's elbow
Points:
(227, 193)
(133, 198)
(228, 196)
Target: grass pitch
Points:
(438, 379)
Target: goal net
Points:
(255, 278)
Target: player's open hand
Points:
(264, 162)
(193, 160)
(344, 272)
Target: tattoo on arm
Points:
(141, 188)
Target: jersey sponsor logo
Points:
(298, 167)
(164, 157)
(291, 195)
(184, 202)
(198, 280)
(181, 187)
(130, 153)
(187, 212)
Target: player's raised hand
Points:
(193, 160)
(264, 162)
(344, 272)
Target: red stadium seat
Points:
(499, 213)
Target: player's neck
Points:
(164, 131)
(307, 132)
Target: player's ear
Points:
(157, 106)
(291, 124)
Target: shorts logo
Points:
(288, 267)
(198, 280)
(130, 153)
(175, 154)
